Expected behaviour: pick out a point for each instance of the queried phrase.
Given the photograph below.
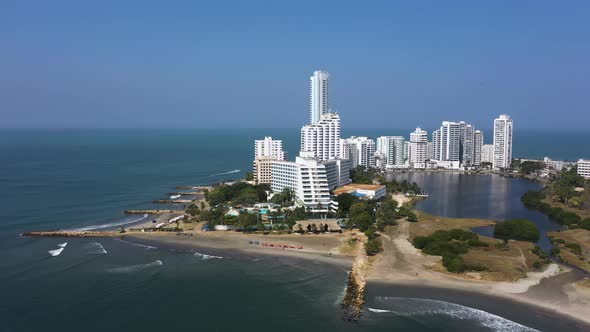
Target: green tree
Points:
(517, 229)
(249, 176)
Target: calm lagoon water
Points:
(80, 178)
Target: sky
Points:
(246, 64)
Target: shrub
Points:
(477, 243)
(518, 229)
(539, 252)
(537, 264)
(373, 247)
(371, 233)
(574, 247)
(555, 251)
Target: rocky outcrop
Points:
(354, 298)
(69, 234)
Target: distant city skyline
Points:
(396, 64)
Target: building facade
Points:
(265, 151)
(323, 137)
(502, 142)
(446, 141)
(584, 168)
(360, 150)
(307, 178)
(466, 143)
(487, 153)
(418, 151)
(477, 147)
(318, 95)
(392, 148)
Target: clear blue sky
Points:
(394, 64)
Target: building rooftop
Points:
(357, 186)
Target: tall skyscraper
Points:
(418, 148)
(477, 147)
(446, 141)
(361, 150)
(392, 147)
(466, 143)
(487, 153)
(318, 96)
(323, 137)
(502, 142)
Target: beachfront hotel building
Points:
(266, 151)
(318, 96)
(307, 177)
(584, 168)
(477, 147)
(418, 150)
(360, 150)
(446, 142)
(323, 137)
(392, 148)
(502, 142)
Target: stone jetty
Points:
(186, 193)
(70, 234)
(172, 201)
(151, 211)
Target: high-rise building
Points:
(269, 147)
(446, 141)
(429, 151)
(584, 168)
(487, 153)
(318, 96)
(418, 148)
(466, 143)
(360, 150)
(392, 147)
(477, 146)
(265, 152)
(323, 137)
(308, 179)
(502, 142)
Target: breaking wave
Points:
(412, 307)
(206, 257)
(136, 244)
(225, 173)
(55, 252)
(135, 268)
(62, 245)
(113, 224)
(96, 248)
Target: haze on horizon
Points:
(210, 64)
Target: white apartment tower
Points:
(446, 142)
(584, 168)
(502, 142)
(418, 148)
(360, 150)
(318, 96)
(392, 148)
(477, 147)
(269, 147)
(487, 153)
(466, 143)
(323, 137)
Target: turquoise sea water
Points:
(85, 178)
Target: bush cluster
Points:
(451, 245)
(517, 229)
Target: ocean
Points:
(62, 179)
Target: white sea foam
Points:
(62, 245)
(411, 307)
(113, 224)
(135, 268)
(225, 173)
(206, 257)
(96, 248)
(174, 196)
(55, 252)
(136, 244)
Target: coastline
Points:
(552, 295)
